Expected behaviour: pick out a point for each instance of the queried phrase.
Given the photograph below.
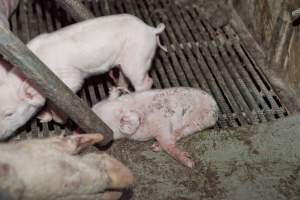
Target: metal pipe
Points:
(76, 9)
(50, 85)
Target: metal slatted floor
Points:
(201, 53)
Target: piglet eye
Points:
(8, 114)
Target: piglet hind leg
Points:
(156, 147)
(167, 142)
(178, 134)
(139, 79)
(119, 81)
(51, 112)
(146, 84)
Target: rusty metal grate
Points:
(202, 53)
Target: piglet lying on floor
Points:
(53, 169)
(166, 115)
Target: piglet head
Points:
(19, 102)
(130, 121)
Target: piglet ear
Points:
(31, 95)
(129, 122)
(76, 143)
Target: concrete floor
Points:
(254, 162)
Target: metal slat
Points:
(256, 93)
(251, 70)
(217, 47)
(244, 90)
(181, 31)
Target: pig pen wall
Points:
(270, 23)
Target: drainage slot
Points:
(267, 101)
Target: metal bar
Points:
(51, 86)
(76, 9)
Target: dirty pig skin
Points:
(75, 53)
(55, 168)
(164, 114)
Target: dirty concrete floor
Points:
(256, 162)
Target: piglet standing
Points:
(164, 114)
(74, 53)
(53, 168)
(97, 45)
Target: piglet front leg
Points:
(119, 81)
(115, 92)
(45, 116)
(52, 113)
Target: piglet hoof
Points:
(45, 117)
(115, 92)
(123, 90)
(187, 161)
(156, 147)
(190, 163)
